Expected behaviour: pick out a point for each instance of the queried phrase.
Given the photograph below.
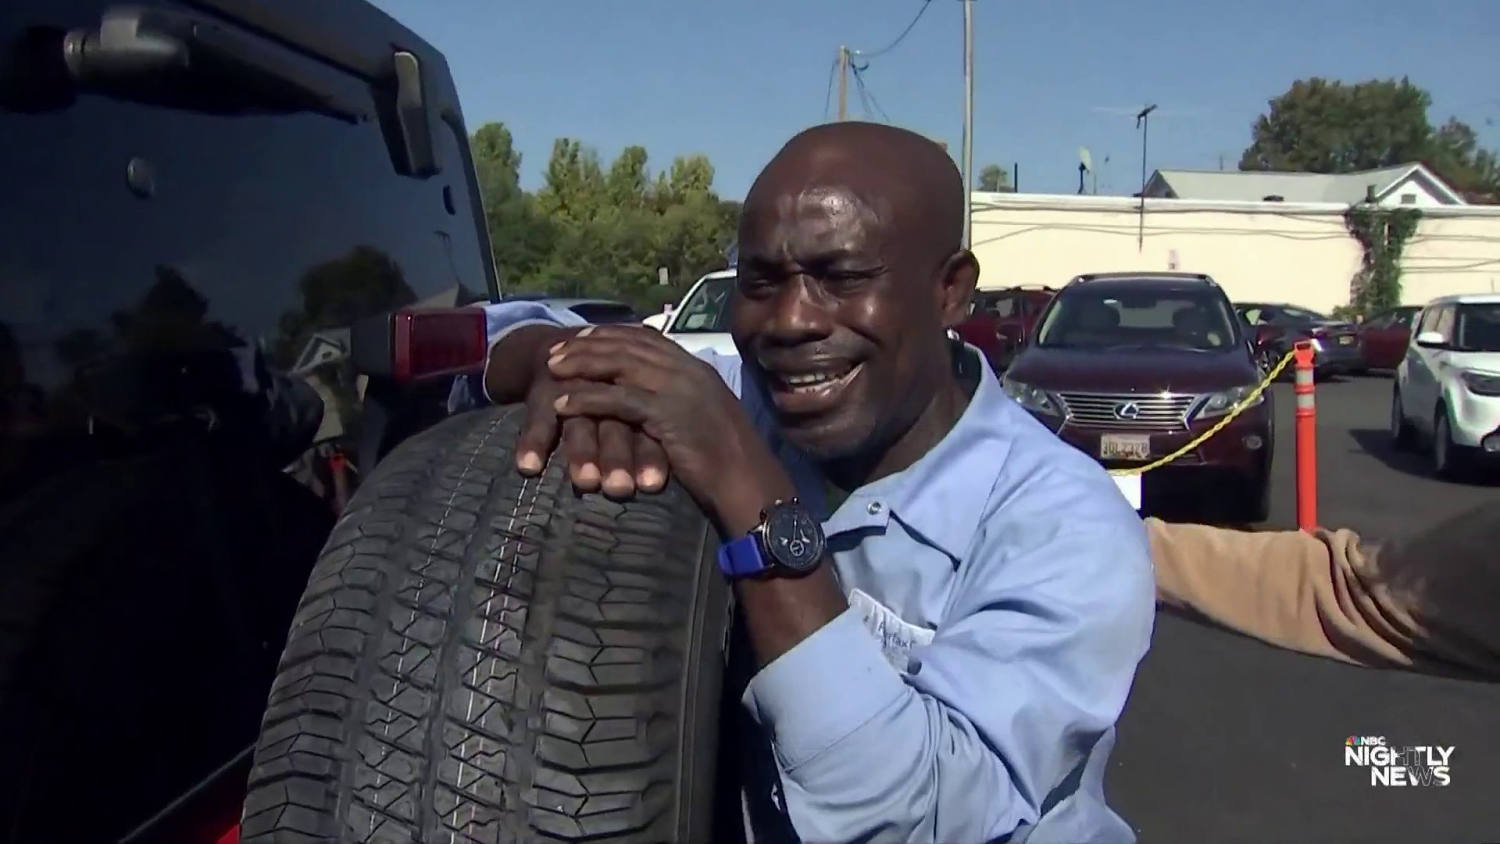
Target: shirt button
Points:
(874, 508)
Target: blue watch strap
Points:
(741, 557)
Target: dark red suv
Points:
(1129, 367)
(1000, 320)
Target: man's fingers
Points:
(623, 361)
(609, 362)
(650, 463)
(605, 401)
(617, 458)
(580, 439)
(538, 435)
(631, 333)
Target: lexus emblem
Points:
(1127, 410)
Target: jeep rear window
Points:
(263, 233)
(1113, 319)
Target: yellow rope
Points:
(1219, 426)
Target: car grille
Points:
(1154, 412)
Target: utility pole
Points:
(1143, 122)
(968, 150)
(843, 83)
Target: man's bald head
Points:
(905, 180)
(851, 264)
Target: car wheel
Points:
(482, 656)
(1402, 435)
(1446, 456)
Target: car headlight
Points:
(1481, 383)
(1221, 403)
(1030, 397)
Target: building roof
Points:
(1256, 185)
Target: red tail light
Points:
(433, 342)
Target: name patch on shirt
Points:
(896, 636)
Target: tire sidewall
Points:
(1442, 445)
(1400, 431)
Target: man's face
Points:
(839, 318)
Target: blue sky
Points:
(734, 78)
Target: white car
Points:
(701, 321)
(1447, 391)
(658, 321)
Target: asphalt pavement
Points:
(1225, 739)
(1363, 483)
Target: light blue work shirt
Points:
(1001, 597)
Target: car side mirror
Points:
(1431, 339)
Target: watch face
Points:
(793, 537)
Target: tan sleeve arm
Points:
(1303, 591)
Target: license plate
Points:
(1130, 487)
(1124, 447)
(1346, 340)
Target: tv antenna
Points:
(1143, 122)
(1086, 165)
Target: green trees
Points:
(588, 231)
(993, 178)
(1325, 126)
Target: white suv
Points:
(1448, 386)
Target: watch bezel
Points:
(780, 536)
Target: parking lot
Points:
(1227, 739)
(1363, 483)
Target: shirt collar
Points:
(943, 495)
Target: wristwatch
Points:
(789, 540)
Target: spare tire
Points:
(480, 656)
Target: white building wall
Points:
(1452, 253)
(1291, 252)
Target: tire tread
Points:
(484, 657)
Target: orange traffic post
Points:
(1307, 438)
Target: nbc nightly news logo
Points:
(1413, 765)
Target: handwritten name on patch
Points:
(897, 637)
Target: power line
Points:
(828, 97)
(867, 97)
(899, 38)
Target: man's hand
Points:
(602, 454)
(633, 377)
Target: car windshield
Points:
(1478, 328)
(707, 311)
(1290, 313)
(1086, 318)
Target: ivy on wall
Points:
(1383, 233)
